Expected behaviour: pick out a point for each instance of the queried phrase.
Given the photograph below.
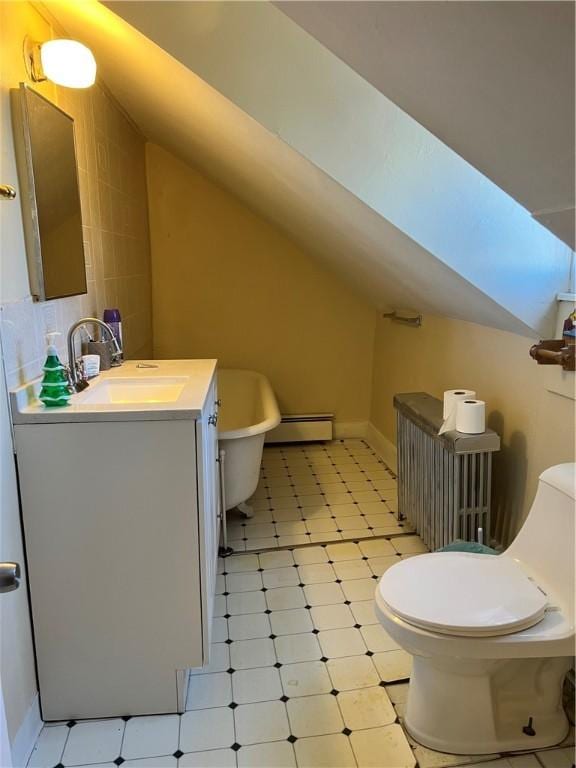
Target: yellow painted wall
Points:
(227, 284)
(537, 427)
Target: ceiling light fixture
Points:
(64, 62)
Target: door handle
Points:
(9, 576)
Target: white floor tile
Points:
(206, 691)
(239, 563)
(293, 648)
(385, 747)
(382, 520)
(338, 498)
(246, 602)
(305, 679)
(346, 510)
(206, 729)
(289, 502)
(378, 565)
(253, 685)
(527, 761)
(291, 528)
(93, 742)
(557, 758)
(366, 708)
(352, 569)
(324, 594)
(256, 723)
(255, 545)
(373, 508)
(285, 515)
(429, 758)
(332, 616)
(49, 747)
(276, 754)
(219, 606)
(325, 752)
(347, 524)
(246, 654)
(336, 643)
(393, 665)
(237, 545)
(152, 736)
(378, 548)
(409, 545)
(219, 660)
(312, 500)
(314, 715)
(359, 589)
(310, 555)
(319, 512)
(243, 582)
(345, 551)
(321, 525)
(283, 598)
(291, 622)
(281, 577)
(216, 758)
(249, 626)
(294, 541)
(281, 559)
(316, 574)
(361, 496)
(165, 761)
(323, 538)
(363, 612)
(377, 639)
(351, 672)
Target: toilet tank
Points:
(545, 543)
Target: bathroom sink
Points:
(138, 389)
(160, 389)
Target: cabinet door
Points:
(209, 509)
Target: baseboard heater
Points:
(302, 428)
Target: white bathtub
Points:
(248, 410)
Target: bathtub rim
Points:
(269, 399)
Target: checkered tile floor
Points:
(302, 676)
(318, 494)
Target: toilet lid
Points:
(459, 593)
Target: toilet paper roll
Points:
(471, 416)
(452, 396)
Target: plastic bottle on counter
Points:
(113, 318)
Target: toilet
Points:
(492, 636)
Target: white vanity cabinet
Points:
(120, 511)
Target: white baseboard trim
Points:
(348, 429)
(23, 743)
(384, 448)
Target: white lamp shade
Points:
(68, 63)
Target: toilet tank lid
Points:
(562, 477)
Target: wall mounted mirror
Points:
(50, 196)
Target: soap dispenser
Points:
(55, 391)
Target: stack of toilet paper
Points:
(463, 412)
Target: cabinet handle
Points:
(218, 403)
(213, 419)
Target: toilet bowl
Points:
(492, 637)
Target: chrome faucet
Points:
(77, 379)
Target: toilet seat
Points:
(463, 594)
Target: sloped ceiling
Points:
(179, 110)
(493, 80)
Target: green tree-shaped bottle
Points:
(55, 391)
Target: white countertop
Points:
(196, 377)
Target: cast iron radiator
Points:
(444, 481)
